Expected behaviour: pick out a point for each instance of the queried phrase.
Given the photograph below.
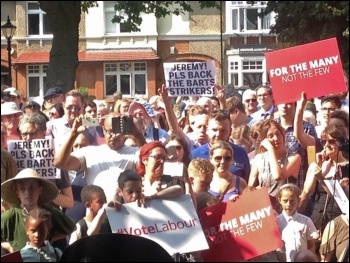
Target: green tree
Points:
(301, 22)
(133, 10)
(64, 18)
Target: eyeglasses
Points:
(327, 109)
(31, 134)
(250, 100)
(330, 141)
(75, 107)
(158, 158)
(226, 158)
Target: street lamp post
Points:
(8, 30)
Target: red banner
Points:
(240, 230)
(315, 68)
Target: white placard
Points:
(36, 154)
(172, 223)
(190, 78)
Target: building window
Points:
(36, 79)
(244, 17)
(109, 13)
(37, 20)
(246, 72)
(127, 77)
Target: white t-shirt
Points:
(101, 158)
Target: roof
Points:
(87, 56)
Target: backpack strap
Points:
(83, 227)
(155, 134)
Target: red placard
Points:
(315, 68)
(240, 230)
(12, 257)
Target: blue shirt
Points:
(240, 166)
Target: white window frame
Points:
(108, 23)
(40, 71)
(121, 69)
(236, 69)
(242, 7)
(41, 14)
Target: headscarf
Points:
(144, 151)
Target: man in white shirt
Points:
(266, 104)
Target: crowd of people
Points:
(113, 154)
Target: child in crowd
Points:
(200, 173)
(25, 192)
(94, 199)
(38, 249)
(298, 231)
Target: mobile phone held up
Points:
(122, 125)
(90, 122)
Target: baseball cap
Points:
(53, 91)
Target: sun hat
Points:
(9, 195)
(10, 107)
(12, 91)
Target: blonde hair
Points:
(221, 145)
(200, 166)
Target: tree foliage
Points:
(133, 10)
(301, 22)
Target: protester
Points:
(219, 129)
(112, 154)
(273, 166)
(298, 232)
(95, 202)
(13, 96)
(78, 180)
(52, 96)
(266, 104)
(250, 102)
(73, 107)
(328, 163)
(153, 130)
(10, 114)
(38, 249)
(150, 168)
(32, 127)
(56, 111)
(26, 191)
(224, 185)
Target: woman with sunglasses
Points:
(273, 166)
(331, 164)
(225, 185)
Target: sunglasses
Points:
(178, 147)
(226, 158)
(327, 109)
(251, 100)
(75, 107)
(330, 141)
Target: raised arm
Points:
(299, 133)
(63, 158)
(169, 113)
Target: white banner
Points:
(173, 224)
(190, 78)
(36, 154)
